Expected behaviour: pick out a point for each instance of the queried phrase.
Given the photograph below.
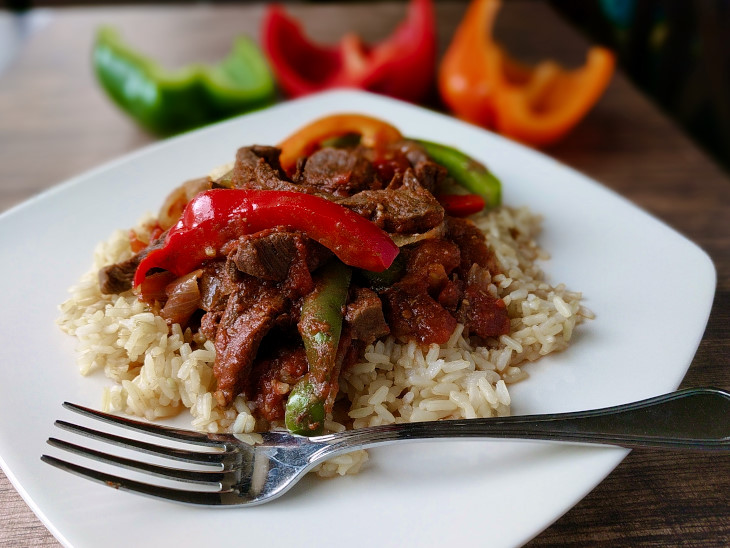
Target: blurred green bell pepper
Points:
(467, 172)
(167, 102)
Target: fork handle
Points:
(695, 418)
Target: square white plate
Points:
(629, 266)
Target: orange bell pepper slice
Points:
(373, 133)
(538, 105)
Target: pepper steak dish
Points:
(348, 277)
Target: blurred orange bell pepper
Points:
(373, 132)
(537, 105)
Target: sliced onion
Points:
(176, 201)
(152, 289)
(406, 239)
(183, 298)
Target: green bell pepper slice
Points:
(320, 326)
(166, 102)
(466, 171)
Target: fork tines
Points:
(205, 498)
(222, 477)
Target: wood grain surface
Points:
(55, 123)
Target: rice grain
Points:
(158, 371)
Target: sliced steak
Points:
(340, 172)
(258, 168)
(482, 313)
(272, 378)
(417, 307)
(210, 321)
(249, 315)
(364, 316)
(118, 278)
(417, 316)
(473, 246)
(414, 152)
(216, 284)
(429, 173)
(270, 254)
(252, 309)
(408, 209)
(248, 162)
(267, 254)
(431, 262)
(404, 207)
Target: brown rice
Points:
(158, 372)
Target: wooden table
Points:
(55, 123)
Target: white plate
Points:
(630, 267)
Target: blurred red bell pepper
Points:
(215, 217)
(402, 66)
(537, 105)
(461, 205)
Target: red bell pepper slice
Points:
(215, 217)
(402, 66)
(461, 205)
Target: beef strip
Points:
(414, 152)
(258, 168)
(482, 313)
(339, 172)
(301, 261)
(118, 278)
(273, 377)
(210, 320)
(250, 313)
(431, 262)
(217, 282)
(404, 207)
(473, 246)
(364, 316)
(413, 305)
(269, 254)
(255, 304)
(429, 173)
(249, 162)
(417, 316)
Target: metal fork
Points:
(244, 474)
